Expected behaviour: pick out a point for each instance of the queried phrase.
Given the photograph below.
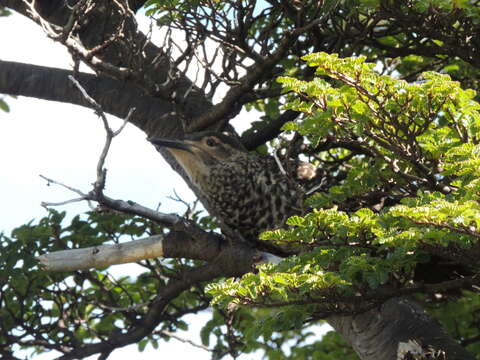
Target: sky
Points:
(63, 142)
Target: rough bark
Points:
(398, 324)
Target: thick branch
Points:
(193, 243)
(114, 96)
(103, 255)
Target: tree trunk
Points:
(394, 329)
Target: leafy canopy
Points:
(419, 140)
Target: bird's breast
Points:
(252, 199)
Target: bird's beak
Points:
(186, 153)
(172, 144)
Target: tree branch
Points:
(269, 131)
(53, 84)
(103, 255)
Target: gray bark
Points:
(396, 325)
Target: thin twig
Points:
(279, 164)
(110, 134)
(51, 181)
(187, 341)
(125, 122)
(83, 196)
(61, 203)
(87, 97)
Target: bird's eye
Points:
(210, 142)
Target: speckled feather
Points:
(251, 194)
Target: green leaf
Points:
(142, 344)
(296, 221)
(4, 106)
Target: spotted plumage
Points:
(249, 193)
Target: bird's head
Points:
(199, 152)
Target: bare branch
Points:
(183, 340)
(103, 255)
(61, 203)
(82, 197)
(131, 207)
(51, 181)
(279, 163)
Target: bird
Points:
(249, 193)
